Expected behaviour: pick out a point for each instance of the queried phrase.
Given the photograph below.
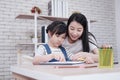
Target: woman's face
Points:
(75, 31)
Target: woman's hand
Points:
(106, 46)
(83, 56)
(79, 56)
(89, 60)
(58, 56)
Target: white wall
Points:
(117, 8)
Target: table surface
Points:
(51, 72)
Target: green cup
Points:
(105, 58)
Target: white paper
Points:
(62, 63)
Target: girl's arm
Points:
(46, 58)
(42, 58)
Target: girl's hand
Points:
(59, 57)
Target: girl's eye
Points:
(63, 37)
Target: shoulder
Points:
(41, 48)
(65, 42)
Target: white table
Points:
(48, 72)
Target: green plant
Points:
(33, 36)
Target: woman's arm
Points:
(85, 56)
(95, 54)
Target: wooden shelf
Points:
(41, 17)
(51, 18)
(29, 43)
(22, 16)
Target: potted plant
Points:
(36, 9)
(31, 34)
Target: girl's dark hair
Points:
(81, 19)
(57, 27)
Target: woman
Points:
(80, 44)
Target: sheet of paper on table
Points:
(70, 64)
(62, 63)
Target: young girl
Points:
(80, 44)
(53, 51)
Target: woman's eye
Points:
(72, 28)
(79, 30)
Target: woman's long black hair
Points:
(81, 19)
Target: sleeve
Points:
(40, 51)
(69, 54)
(92, 43)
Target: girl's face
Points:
(75, 31)
(56, 40)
